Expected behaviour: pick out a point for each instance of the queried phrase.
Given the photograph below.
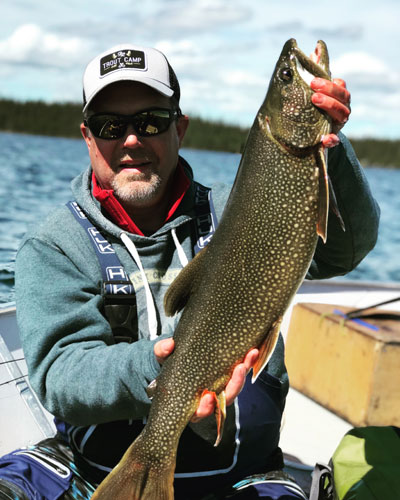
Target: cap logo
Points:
(123, 59)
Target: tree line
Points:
(63, 120)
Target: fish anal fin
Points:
(266, 349)
(181, 288)
(323, 194)
(219, 411)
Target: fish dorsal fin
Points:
(183, 285)
(323, 194)
(266, 349)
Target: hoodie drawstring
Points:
(151, 308)
(181, 254)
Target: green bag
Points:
(365, 466)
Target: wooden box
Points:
(351, 367)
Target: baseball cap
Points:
(129, 62)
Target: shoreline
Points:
(63, 121)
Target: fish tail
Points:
(141, 483)
(161, 488)
(138, 476)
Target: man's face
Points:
(137, 168)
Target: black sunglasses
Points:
(146, 123)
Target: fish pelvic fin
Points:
(266, 349)
(183, 285)
(220, 415)
(220, 412)
(323, 194)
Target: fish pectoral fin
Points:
(219, 411)
(326, 199)
(151, 389)
(266, 349)
(334, 206)
(183, 285)
(323, 194)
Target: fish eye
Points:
(285, 74)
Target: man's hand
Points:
(232, 389)
(164, 348)
(334, 98)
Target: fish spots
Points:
(262, 257)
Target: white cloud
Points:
(201, 15)
(241, 78)
(30, 45)
(180, 53)
(358, 63)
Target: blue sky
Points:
(222, 51)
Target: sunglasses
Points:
(146, 123)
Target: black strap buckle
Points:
(121, 312)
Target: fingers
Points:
(335, 109)
(250, 359)
(330, 140)
(334, 98)
(163, 348)
(205, 408)
(236, 383)
(335, 89)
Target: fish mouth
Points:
(307, 67)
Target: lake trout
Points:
(235, 291)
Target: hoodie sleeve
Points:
(79, 373)
(344, 250)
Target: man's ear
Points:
(85, 134)
(181, 127)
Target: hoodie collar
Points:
(118, 214)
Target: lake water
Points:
(36, 174)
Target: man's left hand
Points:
(334, 98)
(232, 389)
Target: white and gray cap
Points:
(129, 62)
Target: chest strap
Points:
(118, 292)
(206, 221)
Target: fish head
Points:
(291, 118)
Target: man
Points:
(92, 353)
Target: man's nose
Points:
(131, 139)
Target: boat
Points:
(23, 420)
(310, 432)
